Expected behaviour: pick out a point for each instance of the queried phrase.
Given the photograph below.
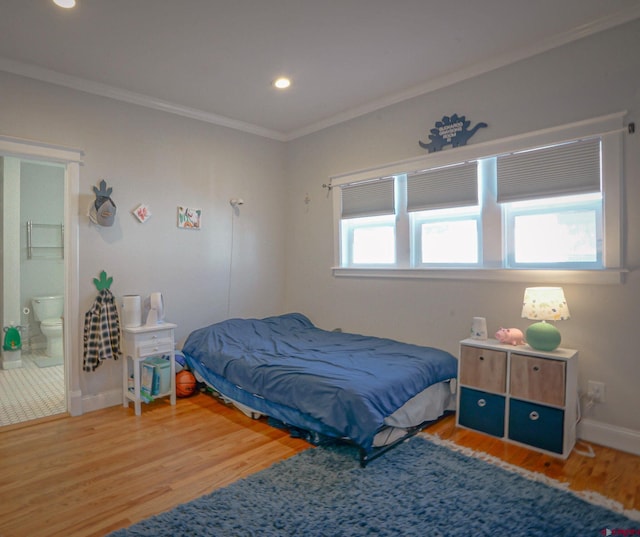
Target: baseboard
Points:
(75, 403)
(611, 436)
(101, 400)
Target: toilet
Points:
(48, 310)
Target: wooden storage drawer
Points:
(519, 393)
(482, 411)
(536, 425)
(485, 369)
(537, 379)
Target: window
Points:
(547, 202)
(368, 223)
(369, 241)
(446, 237)
(444, 215)
(555, 232)
(551, 198)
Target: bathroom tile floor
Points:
(31, 392)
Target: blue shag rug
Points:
(418, 489)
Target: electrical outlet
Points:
(595, 391)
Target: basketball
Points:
(185, 384)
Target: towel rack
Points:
(49, 240)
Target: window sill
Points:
(594, 277)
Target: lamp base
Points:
(543, 336)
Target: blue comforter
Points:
(348, 382)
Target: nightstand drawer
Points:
(536, 425)
(482, 411)
(537, 379)
(485, 369)
(151, 348)
(154, 336)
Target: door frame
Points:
(72, 160)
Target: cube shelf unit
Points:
(517, 393)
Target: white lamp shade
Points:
(545, 304)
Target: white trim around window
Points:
(609, 128)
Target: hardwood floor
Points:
(90, 475)
(611, 473)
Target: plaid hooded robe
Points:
(101, 331)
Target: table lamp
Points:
(544, 304)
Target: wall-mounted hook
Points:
(104, 282)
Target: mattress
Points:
(427, 406)
(337, 384)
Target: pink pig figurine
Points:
(510, 336)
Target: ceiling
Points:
(215, 59)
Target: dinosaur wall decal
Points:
(452, 130)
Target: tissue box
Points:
(161, 374)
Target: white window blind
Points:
(453, 186)
(368, 198)
(571, 168)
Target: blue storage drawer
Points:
(482, 411)
(537, 425)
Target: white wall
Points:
(596, 76)
(163, 161)
(42, 202)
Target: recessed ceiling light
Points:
(282, 83)
(65, 3)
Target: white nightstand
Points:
(520, 394)
(140, 343)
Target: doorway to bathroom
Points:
(32, 360)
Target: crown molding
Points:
(111, 92)
(118, 94)
(605, 23)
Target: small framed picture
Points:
(189, 218)
(142, 213)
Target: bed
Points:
(374, 392)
